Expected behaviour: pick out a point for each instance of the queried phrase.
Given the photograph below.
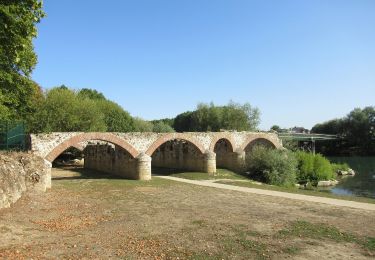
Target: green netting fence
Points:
(12, 135)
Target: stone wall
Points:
(114, 160)
(178, 154)
(22, 173)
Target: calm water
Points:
(363, 183)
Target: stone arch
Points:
(218, 137)
(169, 137)
(260, 140)
(224, 151)
(75, 140)
(78, 146)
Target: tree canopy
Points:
(208, 117)
(63, 109)
(357, 132)
(19, 95)
(18, 19)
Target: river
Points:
(363, 183)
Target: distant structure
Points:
(299, 130)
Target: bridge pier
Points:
(209, 165)
(48, 181)
(143, 171)
(239, 161)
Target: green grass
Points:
(304, 229)
(296, 190)
(220, 174)
(292, 250)
(244, 241)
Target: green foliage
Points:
(313, 168)
(276, 167)
(89, 93)
(167, 121)
(302, 228)
(141, 125)
(339, 167)
(115, 117)
(19, 96)
(357, 130)
(63, 111)
(208, 117)
(276, 128)
(161, 127)
(183, 122)
(291, 145)
(18, 19)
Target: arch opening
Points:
(102, 152)
(175, 156)
(72, 157)
(110, 158)
(224, 154)
(262, 142)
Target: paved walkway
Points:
(335, 202)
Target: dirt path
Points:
(335, 202)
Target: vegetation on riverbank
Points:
(356, 132)
(286, 168)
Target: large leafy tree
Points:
(115, 117)
(19, 95)
(63, 111)
(357, 132)
(18, 19)
(208, 117)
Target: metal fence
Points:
(12, 135)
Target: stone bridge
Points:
(131, 155)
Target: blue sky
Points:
(299, 62)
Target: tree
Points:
(276, 128)
(18, 19)
(356, 131)
(161, 127)
(63, 111)
(91, 94)
(115, 117)
(208, 117)
(18, 94)
(141, 125)
(183, 122)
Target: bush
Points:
(161, 127)
(276, 167)
(313, 168)
(340, 167)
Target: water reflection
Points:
(363, 183)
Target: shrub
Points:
(313, 168)
(276, 167)
(340, 167)
(322, 168)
